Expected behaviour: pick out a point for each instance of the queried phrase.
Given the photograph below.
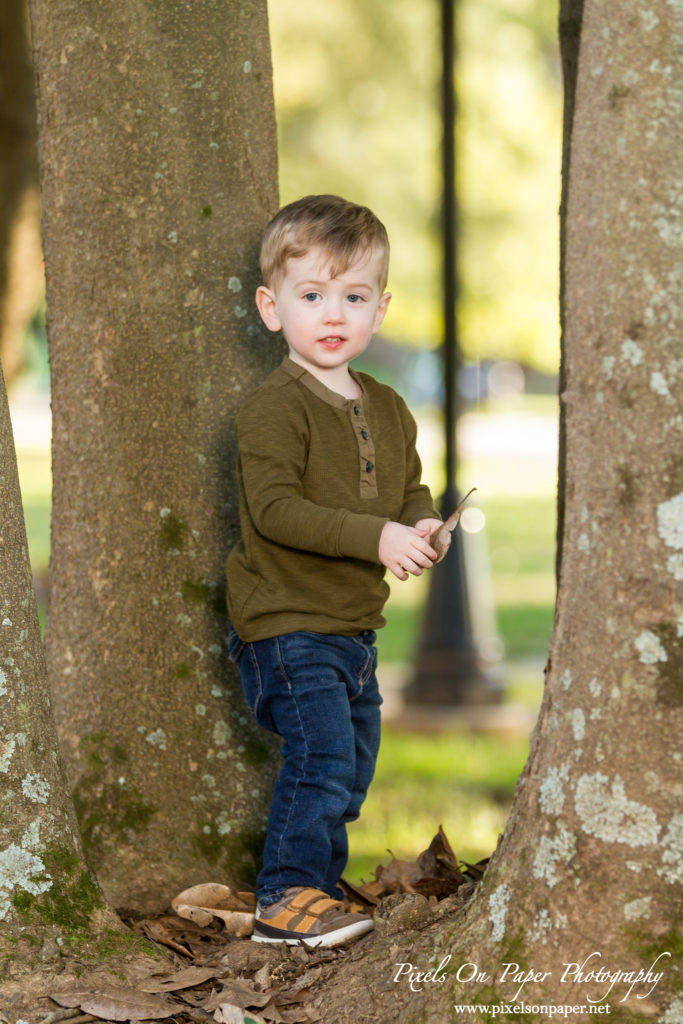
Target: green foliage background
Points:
(357, 99)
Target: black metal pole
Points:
(449, 229)
(447, 669)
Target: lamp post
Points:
(447, 669)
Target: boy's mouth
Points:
(332, 342)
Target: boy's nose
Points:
(333, 313)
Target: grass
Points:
(520, 539)
(35, 478)
(461, 781)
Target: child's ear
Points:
(265, 302)
(381, 311)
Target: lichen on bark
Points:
(45, 884)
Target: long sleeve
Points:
(417, 502)
(274, 444)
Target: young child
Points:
(330, 497)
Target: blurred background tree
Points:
(22, 282)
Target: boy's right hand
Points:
(403, 549)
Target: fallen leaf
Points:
(313, 1015)
(279, 1016)
(286, 998)
(398, 875)
(262, 978)
(476, 871)
(307, 979)
(202, 903)
(157, 930)
(228, 1014)
(435, 874)
(187, 978)
(369, 894)
(440, 872)
(238, 993)
(116, 1002)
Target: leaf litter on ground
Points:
(233, 981)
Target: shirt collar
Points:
(300, 373)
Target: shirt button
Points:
(356, 410)
(369, 467)
(364, 434)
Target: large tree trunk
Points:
(21, 258)
(47, 894)
(589, 869)
(571, 15)
(158, 165)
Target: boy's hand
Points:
(405, 549)
(431, 526)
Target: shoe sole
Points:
(330, 939)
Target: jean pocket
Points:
(250, 679)
(369, 660)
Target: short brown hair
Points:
(343, 229)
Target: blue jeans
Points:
(319, 692)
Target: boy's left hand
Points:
(431, 526)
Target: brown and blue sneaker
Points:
(310, 916)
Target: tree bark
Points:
(589, 869)
(47, 894)
(571, 15)
(21, 259)
(158, 162)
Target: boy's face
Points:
(326, 321)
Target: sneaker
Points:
(310, 916)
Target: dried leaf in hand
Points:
(441, 540)
(116, 1002)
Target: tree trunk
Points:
(21, 259)
(47, 894)
(571, 15)
(587, 876)
(158, 163)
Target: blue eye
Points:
(311, 296)
(355, 298)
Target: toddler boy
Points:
(330, 497)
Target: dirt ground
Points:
(197, 963)
(212, 977)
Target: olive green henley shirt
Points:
(319, 476)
